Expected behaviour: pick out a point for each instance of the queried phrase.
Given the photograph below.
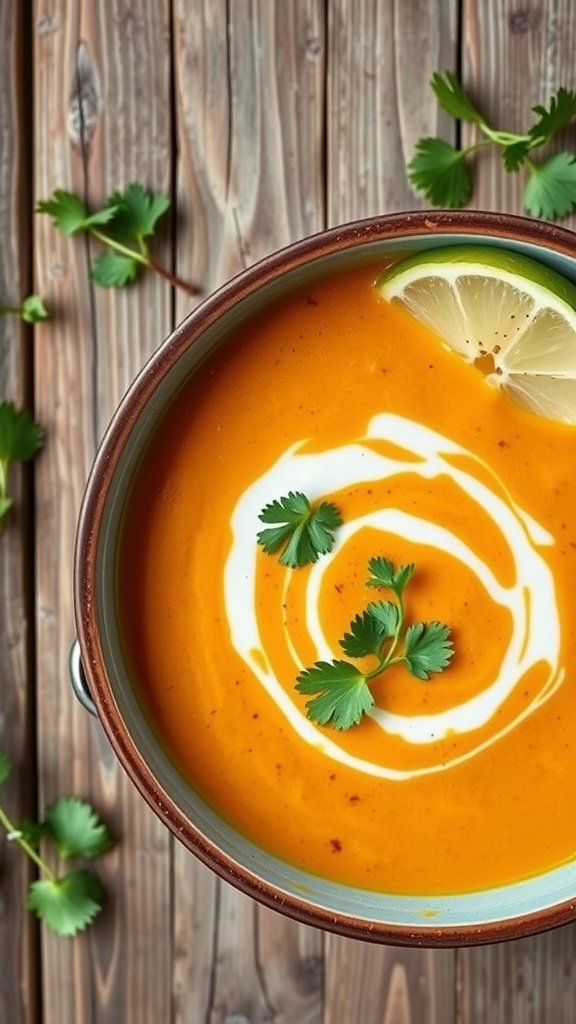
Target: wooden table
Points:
(265, 120)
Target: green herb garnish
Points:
(75, 829)
(343, 690)
(124, 224)
(441, 171)
(32, 310)
(302, 531)
(20, 439)
(67, 902)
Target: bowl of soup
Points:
(445, 816)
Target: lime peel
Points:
(510, 315)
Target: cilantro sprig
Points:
(341, 691)
(31, 310)
(123, 225)
(20, 439)
(442, 172)
(66, 901)
(302, 531)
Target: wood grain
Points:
(530, 981)
(380, 60)
(102, 120)
(18, 979)
(381, 985)
(250, 116)
(514, 56)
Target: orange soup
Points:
(459, 783)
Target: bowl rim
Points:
(497, 226)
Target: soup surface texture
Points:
(459, 783)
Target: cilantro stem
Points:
(388, 659)
(382, 665)
(12, 310)
(438, 169)
(3, 477)
(174, 279)
(125, 250)
(14, 834)
(396, 637)
(476, 145)
(502, 138)
(142, 256)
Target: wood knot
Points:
(308, 973)
(313, 47)
(523, 21)
(47, 24)
(85, 100)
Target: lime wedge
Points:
(510, 315)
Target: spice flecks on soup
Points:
(529, 598)
(458, 783)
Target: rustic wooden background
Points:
(265, 120)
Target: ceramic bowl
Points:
(502, 913)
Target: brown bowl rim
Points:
(397, 225)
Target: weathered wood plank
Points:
(291, 961)
(514, 58)
(381, 985)
(530, 981)
(380, 61)
(102, 87)
(378, 107)
(250, 100)
(19, 986)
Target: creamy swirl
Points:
(530, 599)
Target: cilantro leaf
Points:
(128, 218)
(514, 154)
(366, 636)
(33, 310)
(20, 439)
(4, 766)
(75, 829)
(69, 904)
(559, 113)
(302, 532)
(551, 188)
(67, 210)
(20, 436)
(70, 214)
(30, 831)
(454, 99)
(136, 212)
(427, 648)
(440, 171)
(387, 615)
(113, 269)
(343, 693)
(383, 575)
(344, 696)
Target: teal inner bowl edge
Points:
(456, 910)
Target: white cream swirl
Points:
(531, 599)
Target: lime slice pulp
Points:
(510, 315)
